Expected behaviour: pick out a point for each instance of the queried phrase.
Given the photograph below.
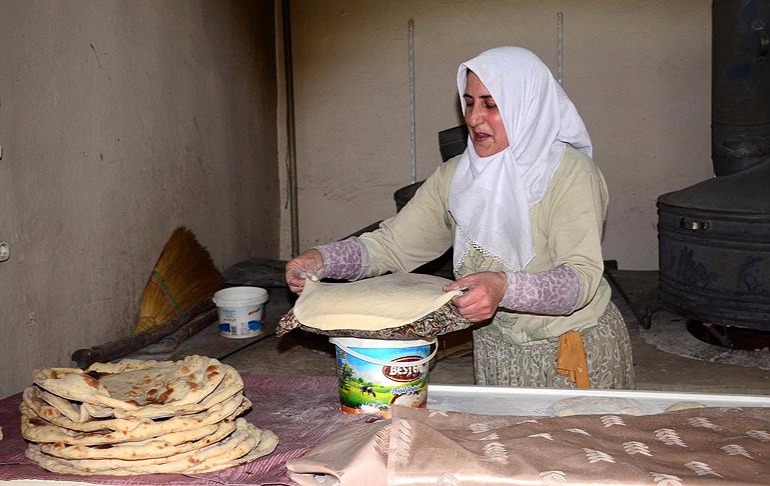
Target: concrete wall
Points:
(120, 120)
(638, 71)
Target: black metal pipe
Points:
(291, 140)
(740, 93)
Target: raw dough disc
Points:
(684, 405)
(371, 304)
(596, 405)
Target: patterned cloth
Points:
(706, 446)
(551, 293)
(608, 352)
(342, 259)
(443, 320)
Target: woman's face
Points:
(483, 118)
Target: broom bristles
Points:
(183, 276)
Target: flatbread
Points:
(72, 410)
(243, 445)
(134, 384)
(36, 429)
(164, 446)
(371, 304)
(596, 405)
(230, 383)
(34, 399)
(684, 405)
(268, 441)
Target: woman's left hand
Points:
(480, 301)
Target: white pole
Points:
(560, 48)
(412, 122)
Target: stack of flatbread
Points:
(140, 417)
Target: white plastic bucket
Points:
(241, 310)
(374, 374)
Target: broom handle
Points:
(121, 347)
(170, 342)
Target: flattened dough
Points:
(371, 304)
(684, 405)
(596, 405)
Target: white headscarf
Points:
(490, 197)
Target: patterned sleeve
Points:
(343, 260)
(553, 292)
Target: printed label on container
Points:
(241, 322)
(366, 387)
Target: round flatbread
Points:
(36, 429)
(230, 383)
(132, 385)
(243, 445)
(164, 446)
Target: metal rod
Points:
(616, 285)
(723, 339)
(412, 117)
(291, 150)
(560, 48)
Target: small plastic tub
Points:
(241, 311)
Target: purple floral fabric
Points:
(552, 293)
(342, 259)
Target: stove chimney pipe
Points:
(740, 93)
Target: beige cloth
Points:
(566, 226)
(708, 446)
(355, 455)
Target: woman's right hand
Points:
(484, 291)
(308, 264)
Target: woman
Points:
(524, 207)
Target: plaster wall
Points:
(638, 71)
(119, 121)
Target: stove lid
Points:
(747, 191)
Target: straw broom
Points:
(184, 275)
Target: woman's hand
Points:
(480, 301)
(308, 264)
